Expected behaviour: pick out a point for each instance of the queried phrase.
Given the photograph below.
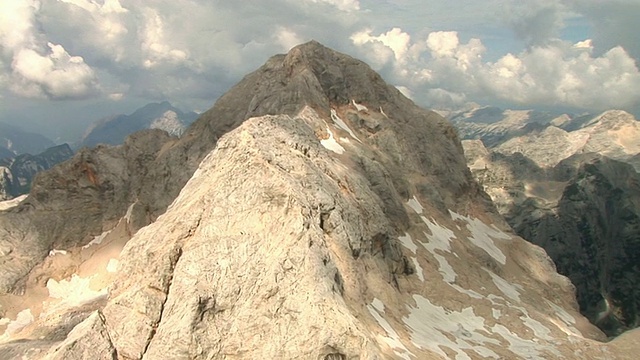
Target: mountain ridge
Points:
(113, 130)
(313, 212)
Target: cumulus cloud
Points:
(184, 49)
(32, 69)
(191, 51)
(55, 74)
(443, 71)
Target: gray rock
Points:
(325, 231)
(88, 340)
(584, 213)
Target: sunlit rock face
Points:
(323, 216)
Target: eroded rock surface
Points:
(324, 216)
(584, 213)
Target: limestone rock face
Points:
(584, 213)
(593, 235)
(529, 173)
(291, 255)
(75, 201)
(313, 213)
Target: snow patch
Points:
(407, 241)
(540, 331)
(341, 124)
(112, 265)
(524, 348)
(378, 305)
(23, 319)
(415, 205)
(359, 107)
(73, 292)
(55, 252)
(481, 236)
(98, 239)
(127, 216)
(470, 293)
(510, 290)
(392, 339)
(8, 204)
(440, 239)
(332, 144)
(430, 324)
(568, 319)
(496, 313)
(419, 270)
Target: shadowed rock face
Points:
(74, 201)
(584, 212)
(593, 235)
(313, 212)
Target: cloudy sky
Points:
(64, 63)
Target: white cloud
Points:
(32, 69)
(287, 38)
(116, 96)
(154, 43)
(107, 7)
(447, 72)
(443, 43)
(191, 51)
(585, 44)
(16, 24)
(344, 5)
(536, 22)
(55, 74)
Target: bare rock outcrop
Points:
(314, 212)
(584, 213)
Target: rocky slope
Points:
(494, 126)
(548, 138)
(314, 213)
(17, 173)
(161, 116)
(584, 213)
(528, 173)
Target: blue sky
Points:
(65, 63)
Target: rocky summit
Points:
(313, 213)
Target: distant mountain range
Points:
(17, 173)
(567, 183)
(15, 141)
(548, 138)
(313, 213)
(115, 129)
